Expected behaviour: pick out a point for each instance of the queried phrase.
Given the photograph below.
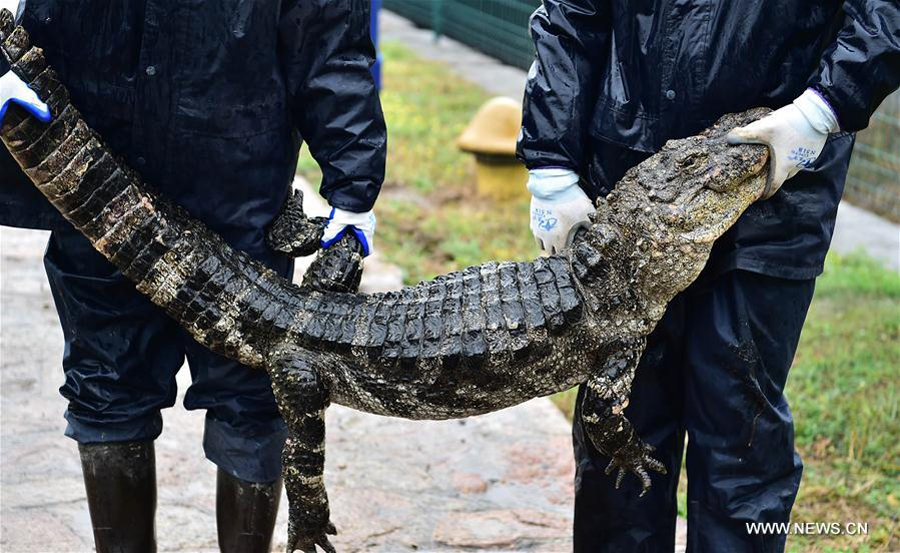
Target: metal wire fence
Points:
(874, 178)
(499, 28)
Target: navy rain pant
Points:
(122, 354)
(715, 367)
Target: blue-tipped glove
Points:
(12, 89)
(362, 225)
(795, 135)
(559, 207)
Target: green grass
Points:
(843, 392)
(842, 388)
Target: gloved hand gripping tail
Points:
(362, 225)
(12, 88)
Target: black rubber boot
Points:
(245, 513)
(120, 481)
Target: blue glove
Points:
(12, 89)
(362, 225)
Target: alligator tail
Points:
(228, 302)
(234, 305)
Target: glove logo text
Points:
(804, 157)
(544, 219)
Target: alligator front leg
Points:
(302, 399)
(602, 411)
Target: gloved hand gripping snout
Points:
(795, 135)
(559, 207)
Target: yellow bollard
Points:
(491, 137)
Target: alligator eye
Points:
(690, 161)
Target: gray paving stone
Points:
(859, 230)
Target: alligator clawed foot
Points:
(293, 233)
(635, 458)
(307, 540)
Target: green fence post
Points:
(436, 17)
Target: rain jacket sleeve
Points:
(862, 66)
(569, 36)
(326, 53)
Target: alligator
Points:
(466, 343)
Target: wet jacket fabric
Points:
(210, 101)
(715, 369)
(624, 77)
(122, 354)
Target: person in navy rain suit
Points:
(210, 102)
(611, 82)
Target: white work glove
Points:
(559, 207)
(795, 135)
(12, 89)
(362, 225)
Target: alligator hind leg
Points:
(301, 394)
(302, 399)
(602, 411)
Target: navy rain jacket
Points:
(210, 101)
(614, 79)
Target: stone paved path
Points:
(500, 482)
(461, 60)
(859, 230)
